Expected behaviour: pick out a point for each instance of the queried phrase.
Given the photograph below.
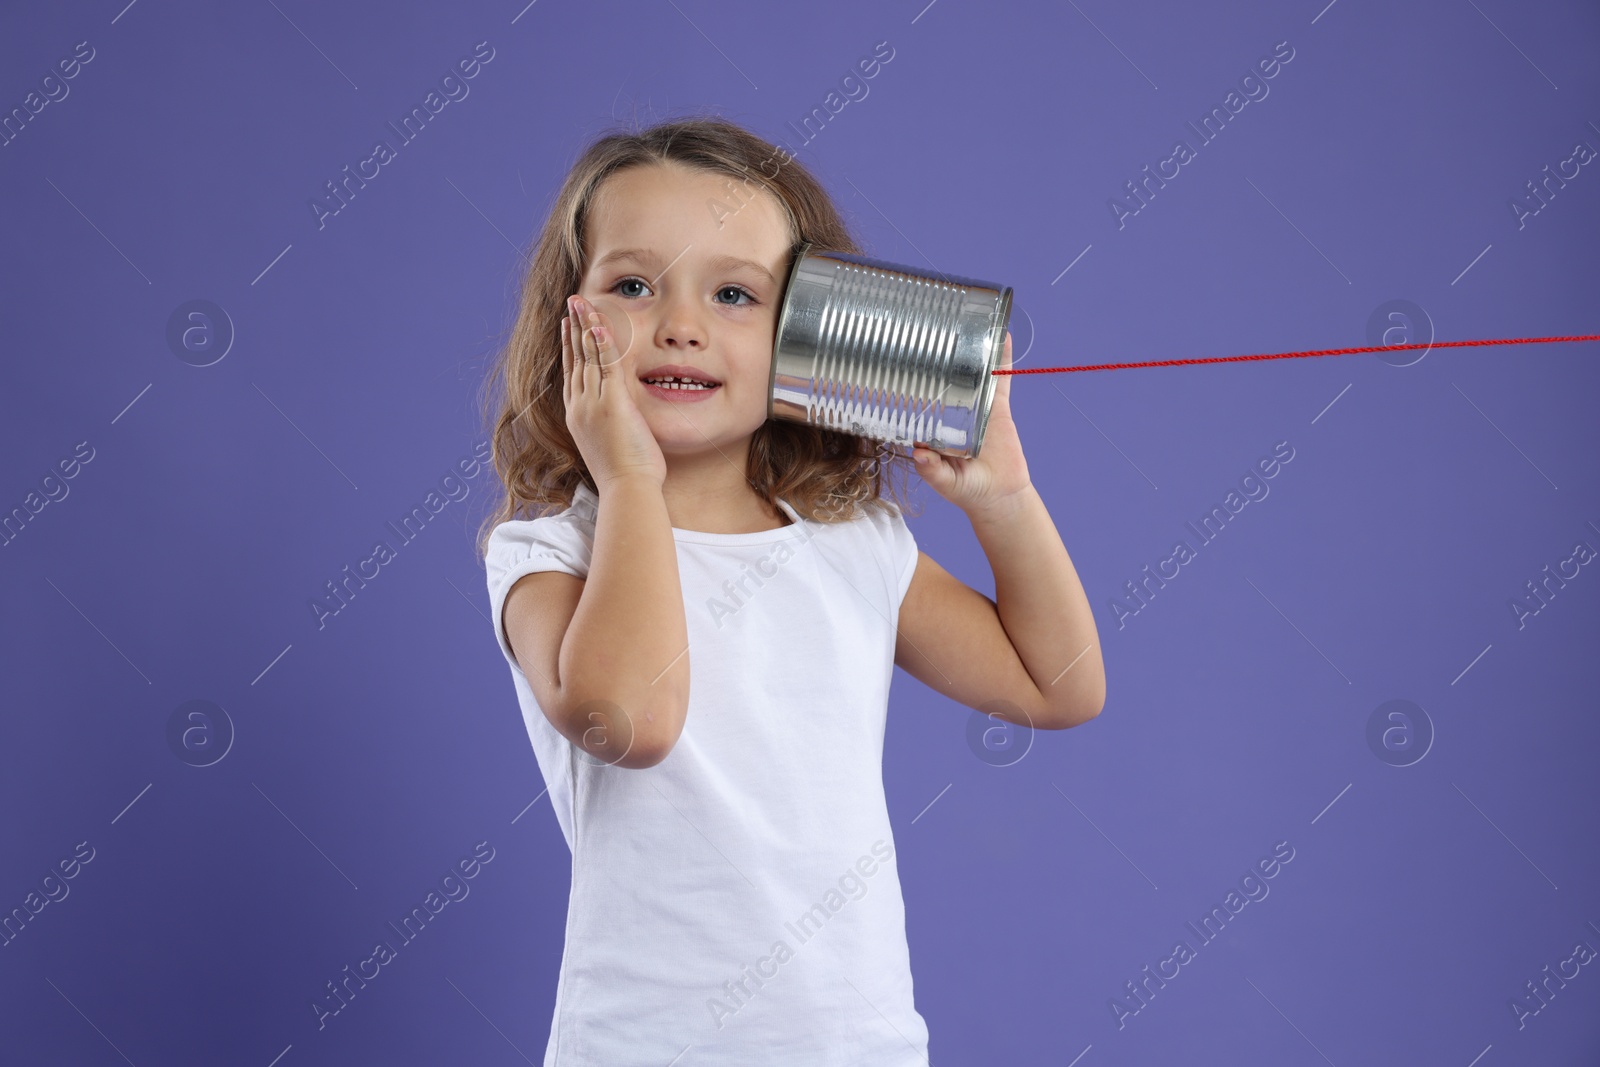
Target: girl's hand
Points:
(605, 422)
(994, 482)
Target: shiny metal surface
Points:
(885, 351)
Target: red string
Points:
(1292, 355)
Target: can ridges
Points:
(875, 349)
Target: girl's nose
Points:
(681, 327)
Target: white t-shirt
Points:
(739, 902)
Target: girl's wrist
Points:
(1004, 509)
(620, 479)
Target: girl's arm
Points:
(607, 657)
(1035, 646)
(617, 649)
(1041, 603)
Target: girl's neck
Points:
(712, 496)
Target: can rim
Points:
(782, 324)
(997, 351)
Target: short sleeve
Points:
(520, 547)
(902, 551)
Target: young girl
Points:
(703, 633)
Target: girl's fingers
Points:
(1003, 386)
(592, 372)
(602, 349)
(580, 359)
(585, 350)
(567, 362)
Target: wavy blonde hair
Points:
(825, 475)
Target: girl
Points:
(702, 634)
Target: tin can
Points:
(885, 351)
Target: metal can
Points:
(885, 351)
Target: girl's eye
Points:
(629, 281)
(738, 291)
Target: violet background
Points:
(371, 754)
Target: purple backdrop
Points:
(1382, 665)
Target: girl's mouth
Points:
(678, 389)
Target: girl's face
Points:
(690, 279)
